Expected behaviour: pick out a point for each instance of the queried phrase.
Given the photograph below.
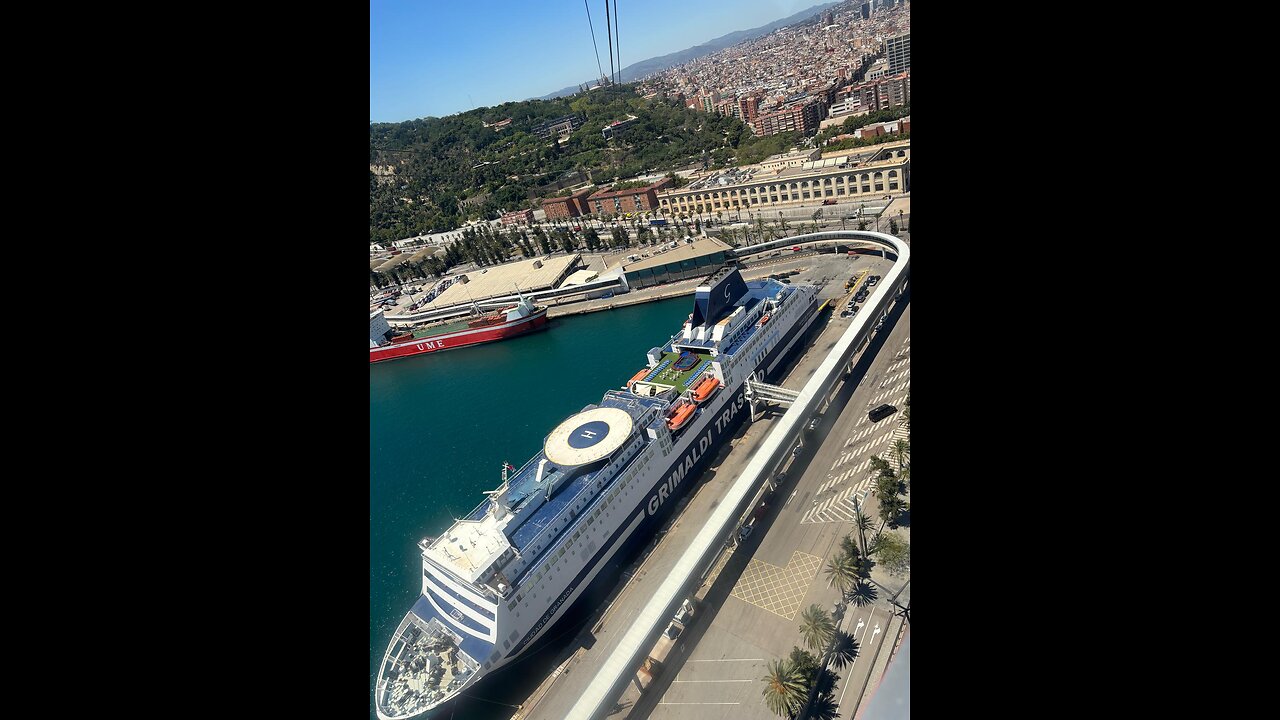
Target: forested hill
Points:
(432, 174)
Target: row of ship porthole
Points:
(590, 519)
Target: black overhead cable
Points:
(609, 29)
(594, 45)
(617, 45)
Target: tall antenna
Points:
(609, 29)
(594, 45)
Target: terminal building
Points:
(870, 173)
(499, 280)
(683, 262)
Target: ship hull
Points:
(465, 338)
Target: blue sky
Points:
(435, 57)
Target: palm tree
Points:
(842, 573)
(844, 651)
(824, 708)
(901, 452)
(889, 509)
(784, 689)
(863, 523)
(862, 594)
(816, 627)
(881, 466)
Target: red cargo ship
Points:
(524, 317)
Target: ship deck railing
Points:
(698, 372)
(576, 521)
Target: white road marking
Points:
(855, 661)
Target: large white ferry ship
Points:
(496, 581)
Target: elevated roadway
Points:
(597, 700)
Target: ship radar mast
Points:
(523, 300)
(498, 497)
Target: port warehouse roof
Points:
(385, 264)
(581, 277)
(502, 280)
(701, 255)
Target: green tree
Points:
(824, 707)
(566, 241)
(806, 664)
(902, 453)
(863, 524)
(784, 689)
(844, 650)
(862, 595)
(880, 466)
(842, 573)
(816, 627)
(894, 554)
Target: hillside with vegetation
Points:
(433, 174)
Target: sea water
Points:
(442, 424)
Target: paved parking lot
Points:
(778, 589)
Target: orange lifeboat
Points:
(705, 389)
(636, 378)
(681, 416)
(764, 319)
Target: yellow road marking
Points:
(779, 590)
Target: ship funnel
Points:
(715, 294)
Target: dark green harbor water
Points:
(441, 425)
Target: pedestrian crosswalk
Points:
(840, 507)
(848, 478)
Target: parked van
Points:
(881, 412)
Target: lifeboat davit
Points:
(636, 378)
(681, 416)
(705, 389)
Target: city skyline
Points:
(441, 60)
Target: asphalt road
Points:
(755, 615)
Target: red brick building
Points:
(518, 217)
(567, 207)
(630, 200)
